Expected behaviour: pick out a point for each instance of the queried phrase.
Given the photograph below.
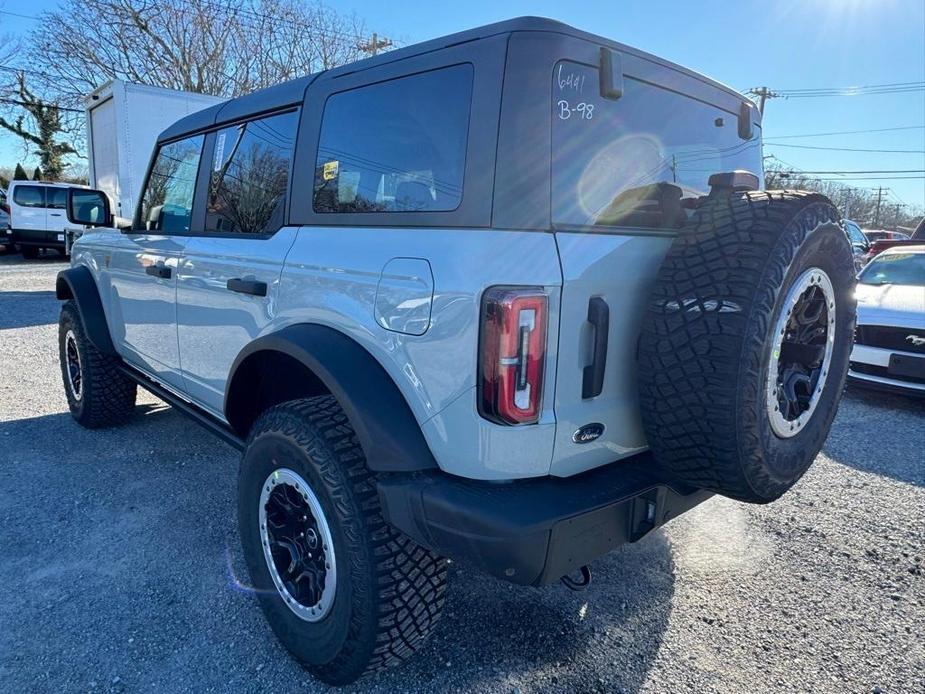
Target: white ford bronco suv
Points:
(512, 297)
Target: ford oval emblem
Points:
(588, 433)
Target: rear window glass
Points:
(639, 160)
(397, 146)
(250, 170)
(29, 196)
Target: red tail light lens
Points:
(512, 354)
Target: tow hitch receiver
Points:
(580, 584)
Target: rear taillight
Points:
(512, 354)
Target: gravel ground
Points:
(120, 568)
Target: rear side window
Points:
(250, 173)
(56, 198)
(167, 203)
(397, 146)
(29, 196)
(639, 160)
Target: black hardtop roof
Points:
(293, 92)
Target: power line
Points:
(21, 16)
(863, 178)
(17, 102)
(850, 149)
(846, 132)
(877, 171)
(851, 91)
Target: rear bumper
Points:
(533, 532)
(6, 236)
(42, 239)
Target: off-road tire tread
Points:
(408, 581)
(109, 395)
(693, 363)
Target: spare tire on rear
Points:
(745, 342)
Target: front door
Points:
(143, 270)
(28, 207)
(229, 275)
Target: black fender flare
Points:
(380, 415)
(77, 283)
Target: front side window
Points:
(167, 204)
(57, 198)
(855, 234)
(397, 146)
(250, 173)
(29, 196)
(640, 160)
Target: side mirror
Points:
(88, 207)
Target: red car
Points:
(879, 245)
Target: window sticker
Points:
(330, 170)
(218, 159)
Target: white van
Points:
(38, 217)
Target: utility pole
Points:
(879, 198)
(763, 94)
(375, 44)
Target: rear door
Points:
(626, 170)
(229, 276)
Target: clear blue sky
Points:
(783, 44)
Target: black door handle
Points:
(592, 382)
(252, 287)
(161, 271)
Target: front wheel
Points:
(98, 393)
(342, 590)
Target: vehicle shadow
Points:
(867, 448)
(26, 309)
(499, 637)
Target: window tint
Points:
(250, 171)
(29, 196)
(639, 160)
(398, 146)
(57, 198)
(168, 198)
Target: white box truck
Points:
(123, 122)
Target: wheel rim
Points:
(297, 545)
(801, 352)
(72, 365)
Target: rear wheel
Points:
(342, 590)
(745, 344)
(30, 252)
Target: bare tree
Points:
(43, 132)
(859, 204)
(204, 46)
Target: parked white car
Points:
(37, 215)
(889, 349)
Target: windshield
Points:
(895, 268)
(639, 160)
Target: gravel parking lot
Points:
(120, 568)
